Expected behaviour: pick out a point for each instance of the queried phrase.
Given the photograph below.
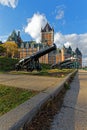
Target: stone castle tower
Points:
(47, 39)
(47, 35)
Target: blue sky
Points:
(67, 17)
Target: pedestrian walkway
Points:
(73, 114)
(37, 83)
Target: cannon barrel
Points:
(32, 62)
(44, 51)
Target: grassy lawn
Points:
(11, 97)
(8, 65)
(46, 72)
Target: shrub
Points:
(7, 64)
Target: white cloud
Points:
(3, 38)
(67, 44)
(59, 12)
(9, 3)
(34, 26)
(59, 39)
(74, 40)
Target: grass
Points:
(11, 97)
(8, 65)
(46, 72)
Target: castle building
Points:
(27, 48)
(78, 55)
(68, 53)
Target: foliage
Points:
(11, 97)
(7, 64)
(67, 85)
(45, 66)
(11, 48)
(2, 49)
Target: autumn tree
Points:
(11, 48)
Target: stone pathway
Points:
(73, 114)
(38, 83)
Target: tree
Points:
(11, 48)
(2, 49)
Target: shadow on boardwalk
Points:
(65, 120)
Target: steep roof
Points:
(78, 52)
(47, 28)
(69, 50)
(15, 37)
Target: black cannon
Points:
(67, 63)
(32, 62)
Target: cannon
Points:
(32, 62)
(67, 63)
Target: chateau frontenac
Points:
(27, 48)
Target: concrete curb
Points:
(16, 118)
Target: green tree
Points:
(2, 50)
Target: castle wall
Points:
(47, 38)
